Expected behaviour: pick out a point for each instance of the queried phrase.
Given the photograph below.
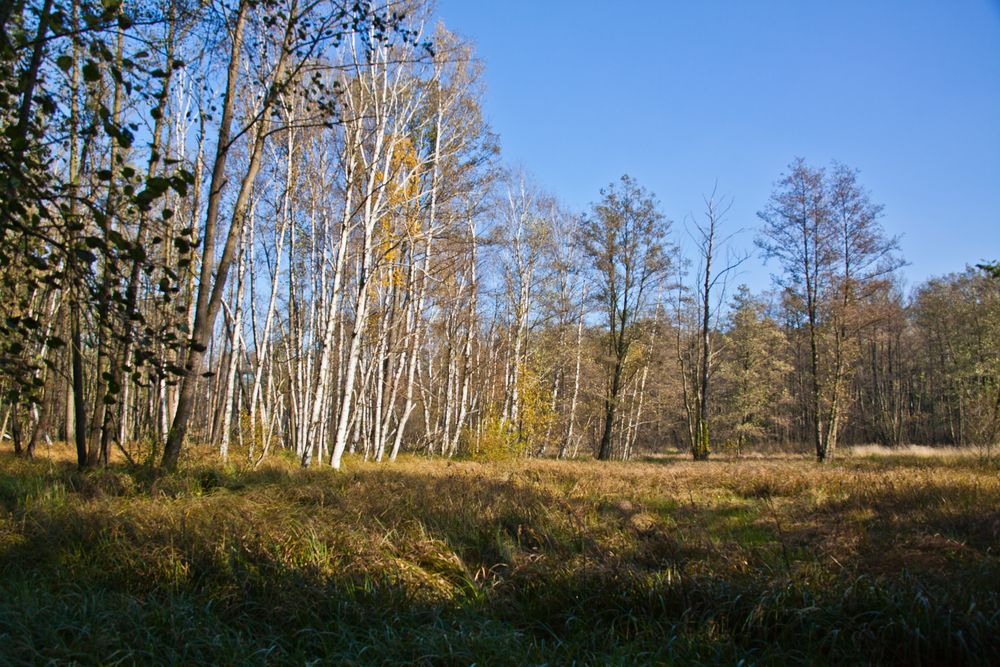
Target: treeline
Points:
(273, 225)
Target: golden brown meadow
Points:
(870, 559)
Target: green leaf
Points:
(118, 240)
(91, 72)
(180, 185)
(125, 139)
(85, 255)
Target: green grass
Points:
(540, 562)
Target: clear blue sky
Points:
(683, 94)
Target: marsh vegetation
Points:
(871, 559)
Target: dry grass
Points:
(921, 451)
(869, 559)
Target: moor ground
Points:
(883, 560)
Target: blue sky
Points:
(682, 95)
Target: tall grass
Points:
(540, 562)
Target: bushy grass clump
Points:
(519, 562)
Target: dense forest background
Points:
(277, 226)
